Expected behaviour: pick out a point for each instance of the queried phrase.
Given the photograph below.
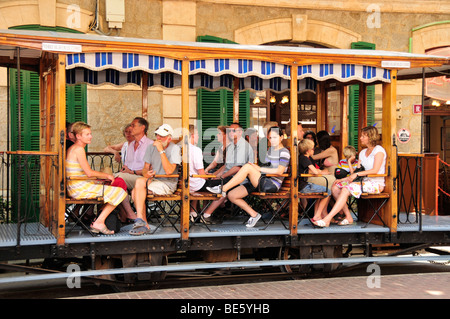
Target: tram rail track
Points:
(210, 275)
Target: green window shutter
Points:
(216, 108)
(211, 111)
(244, 108)
(76, 101)
(29, 111)
(29, 140)
(354, 101)
(213, 39)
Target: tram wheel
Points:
(144, 260)
(310, 252)
(287, 253)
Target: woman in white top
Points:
(373, 158)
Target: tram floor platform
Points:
(37, 234)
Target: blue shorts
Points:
(314, 188)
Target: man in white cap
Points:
(161, 158)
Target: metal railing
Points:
(409, 179)
(21, 181)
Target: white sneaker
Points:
(215, 189)
(253, 220)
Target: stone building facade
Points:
(389, 24)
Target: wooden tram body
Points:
(48, 53)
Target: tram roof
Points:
(32, 45)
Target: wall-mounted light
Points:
(284, 100)
(256, 100)
(273, 99)
(435, 103)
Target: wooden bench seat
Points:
(78, 209)
(375, 201)
(314, 196)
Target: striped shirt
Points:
(275, 158)
(343, 164)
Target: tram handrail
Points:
(31, 153)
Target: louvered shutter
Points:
(76, 101)
(354, 101)
(29, 140)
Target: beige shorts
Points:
(130, 179)
(159, 188)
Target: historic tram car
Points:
(62, 59)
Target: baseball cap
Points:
(164, 130)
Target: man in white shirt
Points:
(134, 160)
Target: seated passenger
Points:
(310, 135)
(219, 157)
(196, 167)
(77, 165)
(237, 154)
(373, 158)
(306, 166)
(327, 158)
(277, 159)
(133, 160)
(161, 158)
(120, 150)
(349, 164)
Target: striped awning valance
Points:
(123, 62)
(171, 80)
(344, 72)
(213, 74)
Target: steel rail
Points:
(239, 264)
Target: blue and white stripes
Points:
(212, 74)
(344, 72)
(240, 68)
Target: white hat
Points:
(164, 130)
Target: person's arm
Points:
(267, 170)
(350, 164)
(324, 154)
(231, 171)
(147, 171)
(114, 149)
(168, 167)
(81, 158)
(378, 161)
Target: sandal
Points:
(104, 231)
(139, 228)
(345, 222)
(319, 223)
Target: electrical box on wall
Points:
(115, 13)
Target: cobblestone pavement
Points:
(416, 286)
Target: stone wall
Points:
(334, 24)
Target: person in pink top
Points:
(134, 160)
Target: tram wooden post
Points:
(60, 124)
(344, 120)
(321, 106)
(293, 208)
(390, 210)
(144, 95)
(185, 138)
(362, 110)
(236, 100)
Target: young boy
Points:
(349, 165)
(306, 166)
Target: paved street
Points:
(416, 286)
